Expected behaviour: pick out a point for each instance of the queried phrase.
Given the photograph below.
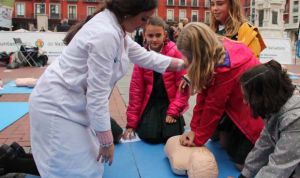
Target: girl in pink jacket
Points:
(155, 104)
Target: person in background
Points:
(63, 26)
(155, 104)
(139, 36)
(69, 106)
(184, 21)
(215, 64)
(227, 19)
(269, 92)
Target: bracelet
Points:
(186, 79)
(106, 145)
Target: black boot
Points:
(6, 152)
(13, 159)
(19, 150)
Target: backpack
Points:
(250, 36)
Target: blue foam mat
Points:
(11, 88)
(225, 165)
(151, 160)
(11, 112)
(143, 160)
(124, 165)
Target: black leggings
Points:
(238, 146)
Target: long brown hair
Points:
(121, 8)
(233, 22)
(204, 51)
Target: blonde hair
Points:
(204, 50)
(233, 22)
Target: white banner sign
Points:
(5, 16)
(278, 49)
(49, 42)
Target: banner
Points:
(278, 49)
(5, 16)
(49, 42)
(6, 11)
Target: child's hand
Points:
(170, 120)
(187, 139)
(129, 134)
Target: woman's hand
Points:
(170, 120)
(187, 139)
(106, 154)
(129, 134)
(185, 82)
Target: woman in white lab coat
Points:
(69, 110)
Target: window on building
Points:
(20, 9)
(40, 8)
(194, 16)
(274, 17)
(207, 3)
(194, 2)
(91, 10)
(170, 2)
(296, 6)
(207, 17)
(72, 12)
(54, 11)
(182, 3)
(182, 14)
(170, 15)
(295, 19)
(260, 18)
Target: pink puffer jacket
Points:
(141, 86)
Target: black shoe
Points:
(18, 149)
(6, 153)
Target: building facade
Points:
(26, 12)
(194, 10)
(292, 20)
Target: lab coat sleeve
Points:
(147, 59)
(102, 52)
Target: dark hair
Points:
(267, 87)
(156, 21)
(121, 8)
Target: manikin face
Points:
(131, 23)
(219, 10)
(155, 36)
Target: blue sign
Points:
(298, 49)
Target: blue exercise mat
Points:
(11, 88)
(225, 165)
(124, 165)
(143, 160)
(151, 160)
(11, 112)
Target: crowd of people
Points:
(253, 109)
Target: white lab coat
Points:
(71, 99)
